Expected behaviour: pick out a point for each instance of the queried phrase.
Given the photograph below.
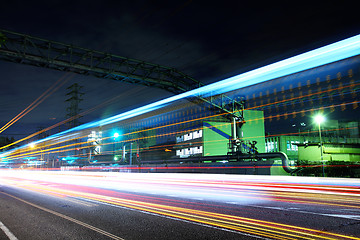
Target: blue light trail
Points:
(331, 53)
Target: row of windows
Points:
(291, 145)
(186, 152)
(272, 146)
(189, 136)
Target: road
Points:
(109, 205)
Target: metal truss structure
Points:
(25, 49)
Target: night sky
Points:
(205, 39)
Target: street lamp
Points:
(116, 135)
(320, 119)
(33, 146)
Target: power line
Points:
(74, 100)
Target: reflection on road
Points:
(203, 198)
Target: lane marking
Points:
(9, 234)
(216, 219)
(48, 192)
(108, 200)
(257, 227)
(241, 224)
(110, 235)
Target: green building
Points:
(338, 149)
(211, 138)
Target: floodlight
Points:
(319, 119)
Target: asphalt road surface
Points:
(93, 205)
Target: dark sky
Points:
(208, 40)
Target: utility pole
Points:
(74, 110)
(74, 100)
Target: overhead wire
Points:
(190, 120)
(68, 119)
(60, 82)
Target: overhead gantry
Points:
(25, 49)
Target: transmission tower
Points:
(74, 99)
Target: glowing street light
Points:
(320, 119)
(116, 135)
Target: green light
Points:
(319, 119)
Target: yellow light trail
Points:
(110, 235)
(260, 106)
(64, 121)
(320, 198)
(44, 149)
(39, 100)
(206, 117)
(236, 223)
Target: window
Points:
(294, 147)
(288, 145)
(197, 134)
(188, 136)
(196, 150)
(179, 152)
(179, 139)
(186, 152)
(271, 146)
(291, 145)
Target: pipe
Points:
(284, 159)
(281, 155)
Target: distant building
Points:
(342, 136)
(336, 152)
(210, 138)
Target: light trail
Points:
(37, 150)
(39, 100)
(108, 188)
(331, 53)
(110, 235)
(254, 108)
(277, 68)
(66, 148)
(303, 96)
(65, 121)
